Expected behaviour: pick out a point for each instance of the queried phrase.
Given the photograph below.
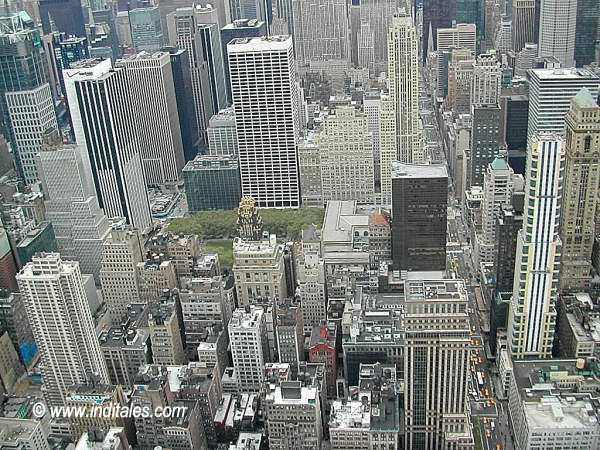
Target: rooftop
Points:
(401, 170)
(259, 44)
(584, 99)
(17, 430)
(341, 218)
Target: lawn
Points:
(219, 225)
(224, 247)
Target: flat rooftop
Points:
(401, 170)
(259, 44)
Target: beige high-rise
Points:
(580, 200)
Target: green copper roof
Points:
(499, 164)
(584, 99)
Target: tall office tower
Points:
(497, 193)
(146, 30)
(462, 35)
(321, 30)
(119, 181)
(54, 292)
(346, 156)
(66, 15)
(239, 29)
(403, 75)
(121, 253)
(123, 30)
(268, 159)
(532, 316)
(25, 96)
(436, 14)
(471, 12)
(503, 41)
(485, 141)
(152, 90)
(523, 23)
(80, 226)
(419, 216)
(196, 30)
(372, 106)
(247, 336)
(587, 32)
(186, 108)
(311, 281)
(486, 80)
(580, 195)
(436, 362)
(371, 33)
(388, 146)
(515, 111)
(222, 137)
(250, 9)
(558, 19)
(550, 93)
(525, 59)
(460, 80)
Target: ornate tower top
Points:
(249, 222)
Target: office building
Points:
(222, 137)
(8, 266)
(166, 335)
(125, 349)
(485, 89)
(40, 238)
(471, 12)
(238, 29)
(66, 15)
(289, 333)
(526, 59)
(550, 93)
(122, 251)
(587, 33)
(186, 108)
(259, 269)
(551, 404)
(247, 335)
(419, 201)
(311, 281)
(459, 81)
(196, 29)
(532, 316)
(268, 161)
(293, 416)
(156, 276)
(580, 194)
(403, 73)
(430, 305)
(114, 438)
(23, 433)
(54, 289)
(212, 182)
(24, 82)
(515, 116)
(436, 14)
(345, 154)
(120, 185)
(146, 29)
(523, 23)
(461, 35)
(320, 30)
(322, 348)
(11, 368)
(153, 99)
(497, 192)
(79, 224)
(485, 141)
(557, 25)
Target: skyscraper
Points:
(372, 32)
(485, 88)
(403, 73)
(523, 23)
(25, 95)
(419, 216)
(321, 30)
(62, 324)
(116, 162)
(71, 204)
(146, 29)
(266, 102)
(532, 316)
(580, 196)
(550, 93)
(153, 101)
(436, 360)
(196, 30)
(121, 253)
(462, 35)
(67, 16)
(587, 32)
(485, 141)
(247, 335)
(558, 20)
(436, 14)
